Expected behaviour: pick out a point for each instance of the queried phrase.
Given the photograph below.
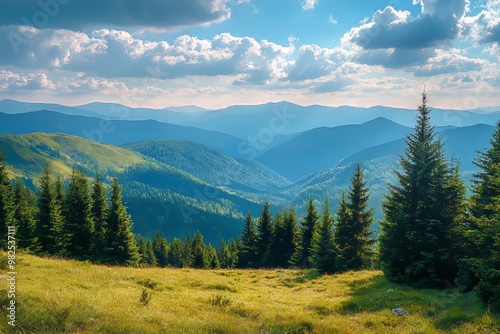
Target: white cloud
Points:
(450, 61)
(309, 4)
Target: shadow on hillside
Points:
(445, 308)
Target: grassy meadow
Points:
(61, 296)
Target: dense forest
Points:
(432, 235)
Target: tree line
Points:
(432, 234)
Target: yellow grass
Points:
(60, 296)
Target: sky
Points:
(216, 53)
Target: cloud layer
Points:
(80, 14)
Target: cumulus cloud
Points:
(11, 81)
(113, 53)
(449, 62)
(485, 26)
(312, 62)
(80, 14)
(437, 23)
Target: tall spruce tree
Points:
(6, 203)
(265, 237)
(99, 210)
(149, 257)
(482, 253)
(78, 229)
(248, 252)
(25, 212)
(50, 219)
(421, 212)
(123, 249)
(307, 229)
(341, 230)
(213, 260)
(353, 235)
(199, 253)
(176, 253)
(160, 248)
(187, 259)
(285, 237)
(324, 254)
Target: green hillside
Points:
(158, 195)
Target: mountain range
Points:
(180, 178)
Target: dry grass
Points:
(58, 296)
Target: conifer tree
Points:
(6, 203)
(121, 241)
(187, 259)
(99, 210)
(50, 220)
(248, 252)
(421, 212)
(149, 257)
(354, 236)
(141, 248)
(78, 228)
(341, 230)
(303, 251)
(482, 243)
(160, 248)
(324, 254)
(199, 252)
(25, 212)
(285, 237)
(176, 253)
(213, 260)
(265, 237)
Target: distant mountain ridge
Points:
(243, 121)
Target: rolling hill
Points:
(115, 132)
(158, 195)
(212, 166)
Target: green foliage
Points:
(149, 257)
(176, 253)
(145, 297)
(307, 230)
(160, 248)
(123, 249)
(482, 231)
(79, 225)
(213, 260)
(249, 238)
(417, 244)
(353, 234)
(199, 254)
(285, 237)
(265, 237)
(25, 212)
(100, 210)
(6, 203)
(324, 253)
(50, 221)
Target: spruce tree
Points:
(123, 249)
(265, 237)
(141, 248)
(482, 230)
(176, 253)
(421, 212)
(303, 251)
(149, 257)
(248, 252)
(25, 212)
(199, 255)
(6, 203)
(78, 229)
(50, 220)
(213, 260)
(99, 211)
(324, 254)
(285, 237)
(160, 248)
(353, 236)
(187, 259)
(341, 230)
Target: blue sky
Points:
(215, 53)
